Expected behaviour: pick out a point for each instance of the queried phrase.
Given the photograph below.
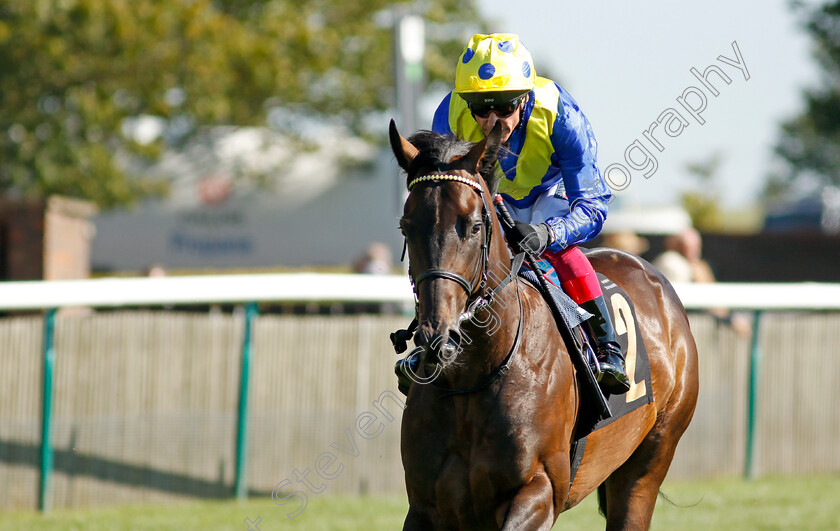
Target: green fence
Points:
(156, 406)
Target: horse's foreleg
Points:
(417, 520)
(532, 507)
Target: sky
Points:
(627, 63)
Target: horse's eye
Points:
(476, 229)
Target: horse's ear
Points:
(482, 157)
(402, 148)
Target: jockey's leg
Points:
(580, 282)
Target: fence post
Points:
(241, 483)
(48, 350)
(752, 397)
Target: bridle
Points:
(476, 287)
(477, 297)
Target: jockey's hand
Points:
(524, 237)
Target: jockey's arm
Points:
(575, 153)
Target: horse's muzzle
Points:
(441, 344)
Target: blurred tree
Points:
(702, 202)
(809, 145)
(86, 83)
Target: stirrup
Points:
(613, 377)
(592, 359)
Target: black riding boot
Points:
(402, 370)
(613, 378)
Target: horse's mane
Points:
(438, 149)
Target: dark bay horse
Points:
(498, 456)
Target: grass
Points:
(794, 503)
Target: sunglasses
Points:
(503, 109)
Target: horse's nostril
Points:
(450, 348)
(439, 347)
(448, 351)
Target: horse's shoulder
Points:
(535, 305)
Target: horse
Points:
(486, 437)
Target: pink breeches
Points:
(577, 277)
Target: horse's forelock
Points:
(439, 148)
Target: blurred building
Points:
(801, 242)
(45, 239)
(250, 198)
(646, 220)
(817, 213)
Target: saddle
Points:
(572, 314)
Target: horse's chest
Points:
(474, 478)
(464, 463)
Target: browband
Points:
(445, 177)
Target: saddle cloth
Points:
(627, 332)
(622, 313)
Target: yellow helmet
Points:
(494, 63)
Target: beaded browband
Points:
(445, 177)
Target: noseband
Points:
(481, 270)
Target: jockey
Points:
(551, 183)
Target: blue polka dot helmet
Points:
(495, 66)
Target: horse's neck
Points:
(491, 333)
